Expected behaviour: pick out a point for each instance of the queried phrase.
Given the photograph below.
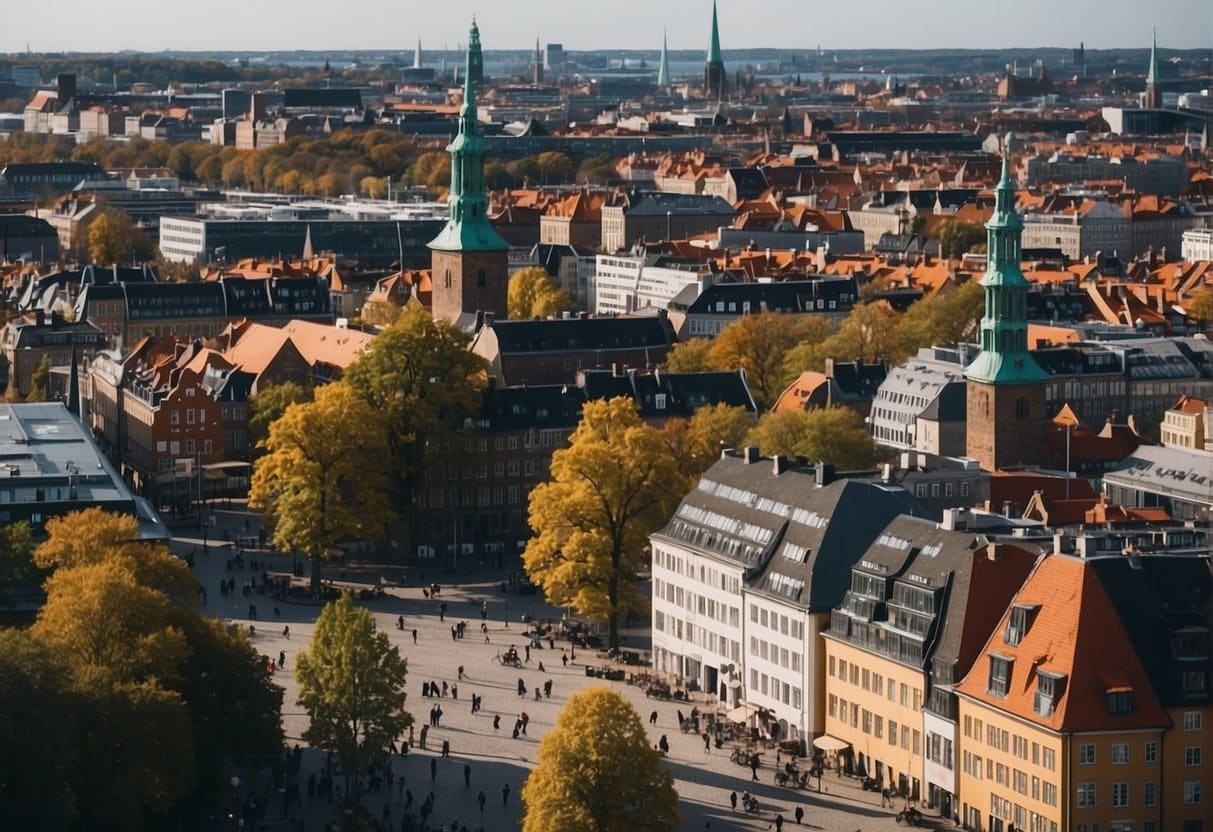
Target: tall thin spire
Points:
(713, 70)
(417, 55)
(475, 60)
(1153, 90)
(663, 71)
(714, 46)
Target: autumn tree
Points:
(266, 406)
(533, 293)
(1200, 306)
(423, 382)
(758, 345)
(114, 238)
(597, 771)
(957, 237)
(608, 491)
(351, 683)
(834, 434)
(39, 381)
(16, 561)
(690, 356)
(321, 479)
(950, 316)
(696, 443)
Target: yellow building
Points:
(921, 605)
(1063, 724)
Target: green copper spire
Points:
(1004, 356)
(475, 60)
(468, 228)
(714, 47)
(1152, 77)
(663, 71)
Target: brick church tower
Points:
(469, 265)
(1005, 385)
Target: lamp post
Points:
(507, 615)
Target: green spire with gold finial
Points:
(663, 70)
(1152, 76)
(468, 228)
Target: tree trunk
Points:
(613, 601)
(317, 565)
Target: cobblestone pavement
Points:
(703, 780)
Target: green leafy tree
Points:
(696, 443)
(758, 344)
(532, 293)
(267, 406)
(321, 479)
(16, 559)
(421, 379)
(957, 237)
(351, 683)
(950, 316)
(39, 380)
(1200, 306)
(597, 771)
(833, 434)
(608, 491)
(555, 168)
(37, 711)
(691, 356)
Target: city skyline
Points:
(378, 25)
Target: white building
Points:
(623, 283)
(1197, 244)
(747, 573)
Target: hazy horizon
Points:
(320, 25)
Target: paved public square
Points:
(703, 780)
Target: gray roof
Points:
(1185, 473)
(660, 203)
(912, 387)
(796, 539)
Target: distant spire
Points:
(308, 254)
(1152, 77)
(714, 47)
(417, 55)
(663, 72)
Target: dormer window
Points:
(1000, 674)
(1018, 623)
(1049, 687)
(1120, 701)
(659, 401)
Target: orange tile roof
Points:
(1077, 633)
(1190, 404)
(800, 392)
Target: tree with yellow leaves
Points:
(609, 490)
(321, 480)
(827, 434)
(533, 294)
(758, 344)
(696, 443)
(597, 771)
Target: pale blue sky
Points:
(152, 25)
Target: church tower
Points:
(713, 71)
(1005, 385)
(469, 267)
(1153, 90)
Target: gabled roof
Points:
(1075, 633)
(578, 334)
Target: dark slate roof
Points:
(580, 334)
(95, 275)
(949, 405)
(299, 296)
(777, 296)
(1078, 359)
(797, 540)
(749, 182)
(660, 203)
(158, 301)
(83, 333)
(684, 392)
(925, 199)
(859, 379)
(536, 406)
(82, 169)
(1158, 597)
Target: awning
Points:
(744, 711)
(827, 743)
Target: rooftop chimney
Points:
(750, 454)
(824, 473)
(779, 464)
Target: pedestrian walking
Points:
(400, 623)
(707, 743)
(446, 748)
(541, 670)
(286, 631)
(664, 744)
(496, 722)
(564, 658)
(779, 823)
(754, 764)
(528, 651)
(547, 689)
(733, 800)
(454, 691)
(505, 794)
(480, 798)
(444, 688)
(799, 814)
(282, 659)
(521, 688)
(525, 719)
(433, 769)
(653, 718)
(425, 730)
(414, 636)
(461, 673)
(467, 776)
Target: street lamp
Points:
(205, 548)
(507, 615)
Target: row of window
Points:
(1088, 794)
(701, 636)
(873, 724)
(873, 682)
(775, 654)
(693, 602)
(786, 693)
(1002, 740)
(774, 621)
